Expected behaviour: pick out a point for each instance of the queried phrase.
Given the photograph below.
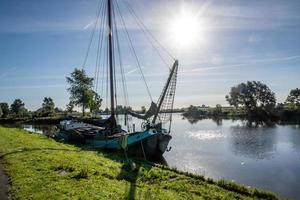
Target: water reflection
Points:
(205, 134)
(192, 120)
(48, 130)
(252, 142)
(217, 120)
(295, 139)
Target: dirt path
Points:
(3, 184)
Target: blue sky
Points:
(41, 42)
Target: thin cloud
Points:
(274, 59)
(133, 71)
(8, 72)
(31, 87)
(286, 58)
(88, 25)
(21, 77)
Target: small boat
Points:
(153, 138)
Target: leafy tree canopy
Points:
(251, 96)
(95, 104)
(70, 107)
(48, 106)
(81, 91)
(5, 109)
(18, 108)
(1, 113)
(293, 99)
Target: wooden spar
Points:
(175, 65)
(111, 67)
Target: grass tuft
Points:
(83, 174)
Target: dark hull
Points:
(149, 147)
(153, 146)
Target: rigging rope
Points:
(134, 52)
(92, 34)
(124, 85)
(149, 35)
(99, 48)
(123, 79)
(104, 62)
(103, 47)
(149, 32)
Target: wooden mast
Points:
(110, 50)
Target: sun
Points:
(186, 30)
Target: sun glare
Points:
(186, 30)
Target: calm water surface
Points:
(263, 157)
(268, 158)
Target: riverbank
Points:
(46, 120)
(279, 115)
(41, 168)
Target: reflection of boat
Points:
(153, 139)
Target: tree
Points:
(106, 111)
(18, 108)
(293, 99)
(80, 89)
(95, 104)
(58, 110)
(48, 106)
(1, 113)
(194, 112)
(70, 107)
(5, 109)
(218, 110)
(253, 96)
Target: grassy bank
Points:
(41, 168)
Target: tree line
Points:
(18, 110)
(255, 101)
(251, 99)
(81, 95)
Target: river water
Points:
(267, 158)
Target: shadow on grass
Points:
(130, 173)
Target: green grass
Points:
(40, 168)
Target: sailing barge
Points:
(153, 138)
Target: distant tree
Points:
(5, 109)
(123, 109)
(58, 110)
(106, 111)
(48, 106)
(193, 112)
(80, 89)
(254, 96)
(1, 113)
(18, 108)
(293, 99)
(218, 106)
(143, 109)
(218, 110)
